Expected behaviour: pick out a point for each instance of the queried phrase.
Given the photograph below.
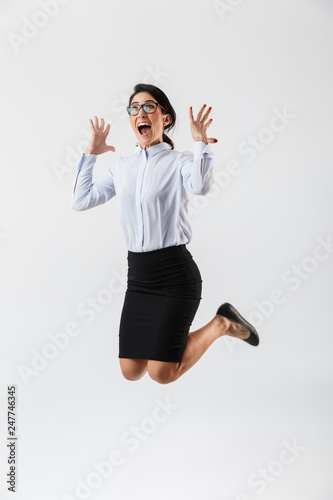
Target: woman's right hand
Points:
(97, 144)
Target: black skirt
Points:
(162, 297)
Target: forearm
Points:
(201, 139)
(197, 174)
(87, 194)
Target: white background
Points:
(236, 412)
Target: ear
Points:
(166, 119)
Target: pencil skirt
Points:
(162, 297)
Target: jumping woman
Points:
(163, 281)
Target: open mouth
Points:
(144, 129)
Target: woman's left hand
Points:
(199, 127)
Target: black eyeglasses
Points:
(149, 107)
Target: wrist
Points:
(201, 139)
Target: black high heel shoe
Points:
(231, 312)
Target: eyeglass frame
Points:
(144, 104)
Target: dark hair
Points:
(162, 99)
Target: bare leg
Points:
(133, 369)
(196, 345)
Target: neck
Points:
(149, 145)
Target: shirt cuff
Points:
(201, 148)
(87, 162)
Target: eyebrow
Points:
(147, 100)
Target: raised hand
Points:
(199, 127)
(97, 144)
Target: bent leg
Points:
(133, 369)
(196, 345)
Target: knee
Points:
(132, 372)
(162, 374)
(131, 376)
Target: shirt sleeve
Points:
(87, 194)
(196, 169)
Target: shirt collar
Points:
(152, 150)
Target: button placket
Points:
(138, 202)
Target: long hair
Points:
(162, 99)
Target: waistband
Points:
(174, 248)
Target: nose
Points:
(142, 112)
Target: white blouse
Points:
(151, 187)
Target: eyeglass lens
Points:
(148, 108)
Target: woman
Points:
(164, 283)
